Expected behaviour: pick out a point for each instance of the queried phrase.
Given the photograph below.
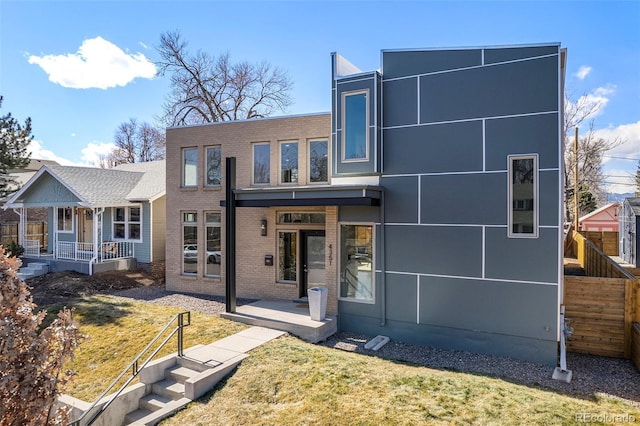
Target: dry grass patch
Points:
(119, 329)
(288, 382)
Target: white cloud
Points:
(90, 155)
(629, 134)
(98, 63)
(595, 102)
(583, 72)
(619, 180)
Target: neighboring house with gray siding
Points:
(100, 219)
(629, 218)
(438, 217)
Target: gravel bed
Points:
(592, 375)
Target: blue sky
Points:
(81, 68)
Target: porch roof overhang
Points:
(300, 196)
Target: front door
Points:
(312, 256)
(85, 225)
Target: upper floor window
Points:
(355, 126)
(65, 219)
(189, 167)
(127, 223)
(213, 166)
(261, 163)
(289, 162)
(523, 196)
(318, 161)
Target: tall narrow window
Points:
(213, 166)
(523, 196)
(213, 254)
(356, 262)
(65, 219)
(288, 162)
(261, 164)
(287, 256)
(355, 126)
(318, 161)
(189, 243)
(189, 167)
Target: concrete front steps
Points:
(33, 269)
(168, 384)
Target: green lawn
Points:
(289, 382)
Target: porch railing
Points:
(84, 251)
(32, 247)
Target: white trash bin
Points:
(317, 303)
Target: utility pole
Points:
(575, 179)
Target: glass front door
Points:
(313, 263)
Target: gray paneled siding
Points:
(532, 134)
(451, 147)
(401, 199)
(525, 259)
(404, 63)
(523, 87)
(549, 192)
(469, 199)
(513, 53)
(440, 250)
(400, 102)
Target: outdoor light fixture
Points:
(263, 227)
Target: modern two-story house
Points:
(427, 202)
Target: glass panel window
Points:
(189, 167)
(287, 256)
(318, 161)
(356, 262)
(189, 243)
(65, 219)
(289, 162)
(127, 223)
(213, 171)
(523, 190)
(307, 218)
(213, 254)
(355, 124)
(261, 164)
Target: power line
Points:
(621, 158)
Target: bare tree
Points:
(591, 150)
(135, 143)
(206, 89)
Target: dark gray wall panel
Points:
(508, 89)
(513, 53)
(405, 63)
(528, 310)
(401, 297)
(400, 102)
(535, 350)
(359, 214)
(534, 134)
(549, 197)
(526, 259)
(401, 199)
(452, 147)
(479, 198)
(446, 250)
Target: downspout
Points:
(20, 228)
(383, 269)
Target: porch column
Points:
(230, 235)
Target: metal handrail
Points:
(135, 368)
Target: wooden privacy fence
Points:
(35, 231)
(607, 241)
(603, 305)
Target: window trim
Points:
(253, 164)
(536, 196)
(183, 167)
(343, 117)
(127, 221)
(206, 166)
(280, 170)
(206, 225)
(309, 142)
(371, 301)
(182, 225)
(73, 220)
